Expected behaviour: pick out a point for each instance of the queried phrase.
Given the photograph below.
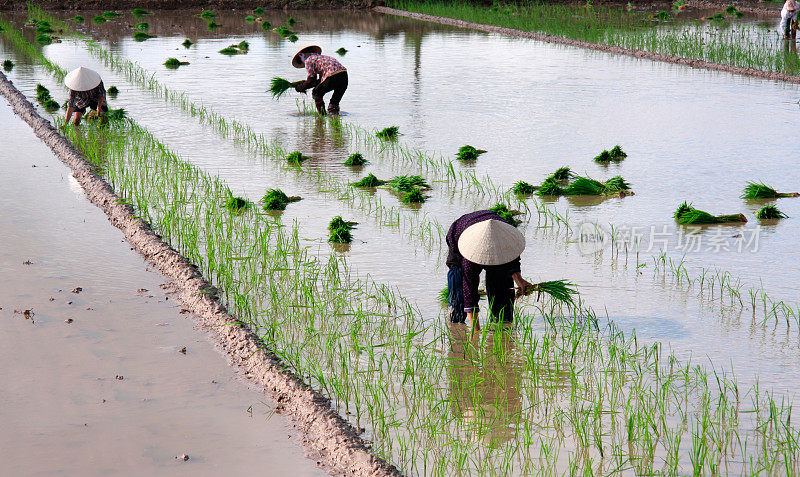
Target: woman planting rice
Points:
(478, 241)
(788, 15)
(325, 74)
(85, 90)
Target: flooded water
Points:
(691, 135)
(109, 391)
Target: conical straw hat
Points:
(491, 242)
(82, 79)
(309, 49)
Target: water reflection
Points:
(485, 376)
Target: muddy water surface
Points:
(110, 391)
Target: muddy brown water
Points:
(109, 392)
(690, 135)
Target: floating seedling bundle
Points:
(283, 31)
(44, 98)
(77, 19)
(733, 11)
(562, 174)
(187, 43)
(8, 65)
(523, 188)
(686, 214)
(506, 214)
(212, 25)
(389, 133)
(369, 181)
(276, 199)
(339, 230)
(142, 36)
(296, 158)
(207, 15)
(770, 212)
(111, 15)
(278, 86)
(258, 11)
(760, 190)
(237, 205)
(113, 91)
(250, 19)
(174, 63)
(142, 26)
(356, 160)
(291, 21)
(468, 153)
(616, 154)
(240, 48)
(140, 12)
(341, 51)
(266, 26)
(585, 186)
(99, 19)
(407, 183)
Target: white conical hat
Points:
(491, 242)
(82, 79)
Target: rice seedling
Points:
(174, 63)
(296, 158)
(616, 154)
(356, 160)
(388, 134)
(112, 91)
(679, 5)
(187, 43)
(733, 11)
(759, 190)
(140, 12)
(770, 212)
(339, 230)
(232, 50)
(244, 45)
(114, 115)
(549, 188)
(278, 86)
(276, 199)
(291, 21)
(523, 188)
(414, 197)
(250, 19)
(44, 27)
(468, 153)
(444, 296)
(616, 184)
(237, 205)
(561, 174)
(44, 98)
(407, 183)
(283, 31)
(292, 38)
(661, 15)
(369, 181)
(266, 26)
(585, 186)
(212, 25)
(559, 290)
(142, 26)
(341, 51)
(44, 39)
(142, 36)
(508, 215)
(258, 11)
(77, 19)
(8, 65)
(110, 15)
(686, 214)
(207, 15)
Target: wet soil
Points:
(78, 5)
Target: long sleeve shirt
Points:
(320, 67)
(471, 271)
(84, 99)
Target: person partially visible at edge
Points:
(86, 90)
(788, 15)
(478, 241)
(325, 74)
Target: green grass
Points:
(283, 31)
(562, 174)
(369, 181)
(616, 154)
(585, 186)
(250, 19)
(356, 160)
(292, 38)
(276, 199)
(770, 212)
(266, 26)
(44, 98)
(559, 290)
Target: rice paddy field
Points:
(680, 354)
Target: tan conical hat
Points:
(82, 79)
(309, 49)
(491, 242)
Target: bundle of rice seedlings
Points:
(258, 11)
(561, 174)
(660, 15)
(250, 19)
(296, 158)
(44, 27)
(111, 15)
(78, 19)
(389, 133)
(291, 21)
(237, 204)
(232, 50)
(293, 38)
(212, 25)
(112, 91)
(585, 186)
(266, 26)
(468, 153)
(283, 31)
(760, 190)
(139, 12)
(523, 188)
(44, 98)
(341, 51)
(244, 46)
(770, 212)
(407, 183)
(715, 17)
(207, 15)
(356, 159)
(276, 199)
(616, 184)
(444, 295)
(339, 230)
(143, 26)
(187, 43)
(413, 197)
(733, 11)
(278, 86)
(8, 65)
(44, 39)
(142, 36)
(506, 214)
(679, 5)
(174, 63)
(116, 114)
(550, 188)
(99, 19)
(559, 290)
(617, 153)
(369, 181)
(686, 214)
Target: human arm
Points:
(470, 276)
(523, 285)
(69, 113)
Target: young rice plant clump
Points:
(276, 199)
(356, 160)
(770, 212)
(468, 153)
(369, 181)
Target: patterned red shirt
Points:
(322, 66)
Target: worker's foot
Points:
(333, 109)
(320, 107)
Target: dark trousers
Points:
(499, 291)
(336, 83)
